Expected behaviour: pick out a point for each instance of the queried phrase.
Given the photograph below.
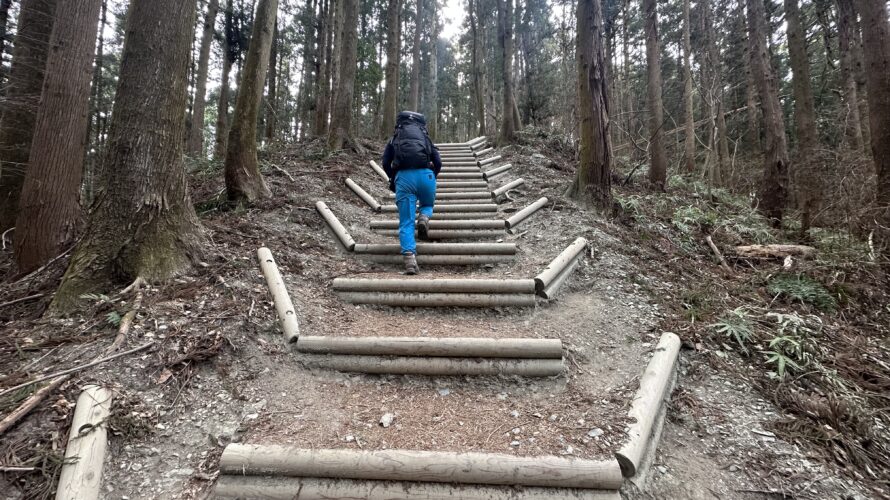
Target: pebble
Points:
(514, 414)
(386, 419)
(595, 432)
(349, 438)
(444, 391)
(514, 443)
(517, 430)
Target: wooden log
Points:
(377, 168)
(460, 347)
(558, 264)
(458, 201)
(81, 475)
(440, 285)
(484, 151)
(367, 198)
(648, 402)
(523, 214)
(478, 142)
(463, 215)
(489, 160)
(774, 251)
(439, 299)
(445, 224)
(451, 234)
(461, 207)
(461, 184)
(459, 168)
(284, 308)
(440, 249)
(436, 367)
(460, 175)
(302, 488)
(551, 290)
(443, 260)
(506, 187)
(335, 225)
(490, 174)
(423, 466)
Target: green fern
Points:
(737, 326)
(803, 289)
(113, 318)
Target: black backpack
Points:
(411, 142)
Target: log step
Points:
(445, 224)
(435, 285)
(439, 299)
(452, 234)
(457, 207)
(442, 260)
(436, 367)
(461, 347)
(441, 249)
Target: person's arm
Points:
(388, 156)
(437, 161)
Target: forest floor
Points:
(220, 372)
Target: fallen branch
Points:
(23, 299)
(773, 251)
(717, 253)
(283, 171)
(29, 404)
(77, 368)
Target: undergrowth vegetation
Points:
(814, 330)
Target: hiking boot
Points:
(423, 227)
(411, 267)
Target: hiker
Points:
(412, 163)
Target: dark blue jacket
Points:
(389, 155)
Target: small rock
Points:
(516, 430)
(552, 418)
(514, 443)
(502, 396)
(662, 469)
(444, 391)
(514, 414)
(182, 472)
(386, 419)
(568, 451)
(733, 468)
(349, 438)
(595, 432)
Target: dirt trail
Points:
(171, 422)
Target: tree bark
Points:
(657, 154)
(689, 113)
(717, 170)
(505, 41)
(222, 111)
(311, 68)
(753, 132)
(323, 90)
(143, 224)
(804, 115)
(846, 38)
(478, 65)
(4, 22)
(272, 95)
(97, 106)
(340, 135)
(393, 47)
(431, 97)
(774, 190)
(49, 212)
(196, 131)
(26, 74)
(876, 45)
(414, 89)
(244, 182)
(593, 179)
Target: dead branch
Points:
(717, 253)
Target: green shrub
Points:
(736, 325)
(803, 289)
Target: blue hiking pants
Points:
(413, 186)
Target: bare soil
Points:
(220, 371)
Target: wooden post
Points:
(367, 198)
(452, 234)
(446, 224)
(460, 347)
(377, 168)
(490, 174)
(553, 270)
(462, 207)
(335, 225)
(303, 488)
(525, 213)
(440, 285)
(489, 160)
(284, 308)
(439, 299)
(440, 249)
(81, 475)
(443, 260)
(648, 401)
(506, 187)
(427, 466)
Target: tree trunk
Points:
(222, 111)
(323, 90)
(272, 95)
(337, 49)
(49, 212)
(593, 179)
(244, 182)
(807, 171)
(478, 69)
(432, 95)
(143, 224)
(94, 139)
(505, 41)
(850, 111)
(774, 190)
(689, 114)
(29, 54)
(393, 47)
(4, 32)
(312, 54)
(719, 169)
(876, 45)
(657, 154)
(752, 108)
(414, 90)
(340, 135)
(196, 131)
